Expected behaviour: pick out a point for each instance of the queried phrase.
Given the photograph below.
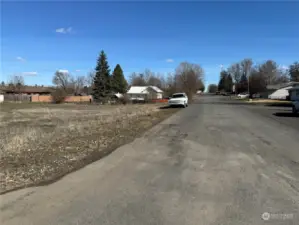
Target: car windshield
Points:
(178, 96)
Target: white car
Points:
(243, 95)
(178, 99)
(296, 107)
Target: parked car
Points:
(226, 94)
(178, 99)
(295, 107)
(257, 95)
(243, 95)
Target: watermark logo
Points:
(277, 216)
(266, 216)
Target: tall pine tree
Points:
(294, 71)
(229, 83)
(243, 86)
(222, 80)
(101, 82)
(225, 82)
(118, 81)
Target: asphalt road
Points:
(209, 164)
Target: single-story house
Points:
(281, 91)
(1, 96)
(144, 92)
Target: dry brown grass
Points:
(269, 101)
(42, 142)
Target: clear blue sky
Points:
(39, 38)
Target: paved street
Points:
(210, 164)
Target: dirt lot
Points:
(42, 142)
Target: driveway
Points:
(209, 164)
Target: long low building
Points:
(281, 91)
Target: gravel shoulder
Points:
(40, 143)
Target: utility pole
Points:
(248, 78)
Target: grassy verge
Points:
(262, 101)
(41, 143)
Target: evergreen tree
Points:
(294, 71)
(201, 86)
(243, 86)
(118, 81)
(222, 81)
(225, 82)
(101, 82)
(228, 83)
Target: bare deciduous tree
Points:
(77, 84)
(68, 83)
(246, 66)
(294, 71)
(236, 72)
(282, 76)
(154, 81)
(269, 70)
(62, 80)
(147, 74)
(137, 79)
(17, 82)
(187, 77)
(90, 78)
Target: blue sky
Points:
(40, 37)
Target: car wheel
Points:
(294, 110)
(184, 106)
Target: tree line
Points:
(245, 76)
(101, 83)
(188, 77)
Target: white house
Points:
(143, 92)
(282, 91)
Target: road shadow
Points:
(279, 104)
(169, 107)
(286, 114)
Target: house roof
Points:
(143, 89)
(294, 88)
(138, 90)
(284, 85)
(156, 89)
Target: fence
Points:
(16, 98)
(48, 98)
(160, 100)
(42, 98)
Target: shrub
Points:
(58, 96)
(124, 100)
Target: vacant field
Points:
(42, 142)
